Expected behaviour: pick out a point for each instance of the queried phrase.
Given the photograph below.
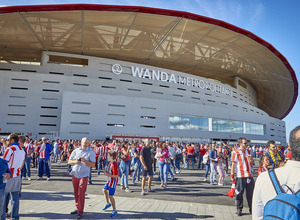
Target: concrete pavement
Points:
(187, 198)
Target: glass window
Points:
(220, 125)
(252, 128)
(188, 123)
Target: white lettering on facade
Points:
(188, 81)
(147, 74)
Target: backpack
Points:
(282, 206)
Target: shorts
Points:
(111, 191)
(149, 171)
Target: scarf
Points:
(273, 157)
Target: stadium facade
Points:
(116, 71)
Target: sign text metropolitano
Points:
(171, 78)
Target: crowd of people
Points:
(118, 160)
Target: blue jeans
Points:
(213, 172)
(103, 163)
(207, 166)
(177, 164)
(188, 162)
(200, 164)
(43, 163)
(124, 177)
(55, 157)
(173, 164)
(161, 170)
(167, 167)
(26, 168)
(90, 176)
(2, 198)
(15, 203)
(137, 171)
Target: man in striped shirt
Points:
(102, 157)
(44, 155)
(14, 155)
(28, 151)
(242, 161)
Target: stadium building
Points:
(127, 72)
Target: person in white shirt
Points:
(289, 175)
(15, 157)
(172, 154)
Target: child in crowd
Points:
(264, 163)
(109, 189)
(220, 169)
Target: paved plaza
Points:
(187, 198)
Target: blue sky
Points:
(277, 22)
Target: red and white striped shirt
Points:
(242, 160)
(14, 155)
(103, 152)
(113, 170)
(223, 151)
(28, 147)
(262, 169)
(43, 151)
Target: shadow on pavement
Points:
(53, 196)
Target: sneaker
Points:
(174, 179)
(134, 183)
(127, 190)
(220, 184)
(179, 171)
(106, 206)
(204, 179)
(143, 193)
(73, 212)
(29, 179)
(114, 213)
(239, 212)
(122, 188)
(40, 178)
(150, 190)
(211, 183)
(48, 179)
(23, 178)
(215, 183)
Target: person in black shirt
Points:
(146, 160)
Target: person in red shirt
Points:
(202, 151)
(264, 164)
(190, 156)
(289, 156)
